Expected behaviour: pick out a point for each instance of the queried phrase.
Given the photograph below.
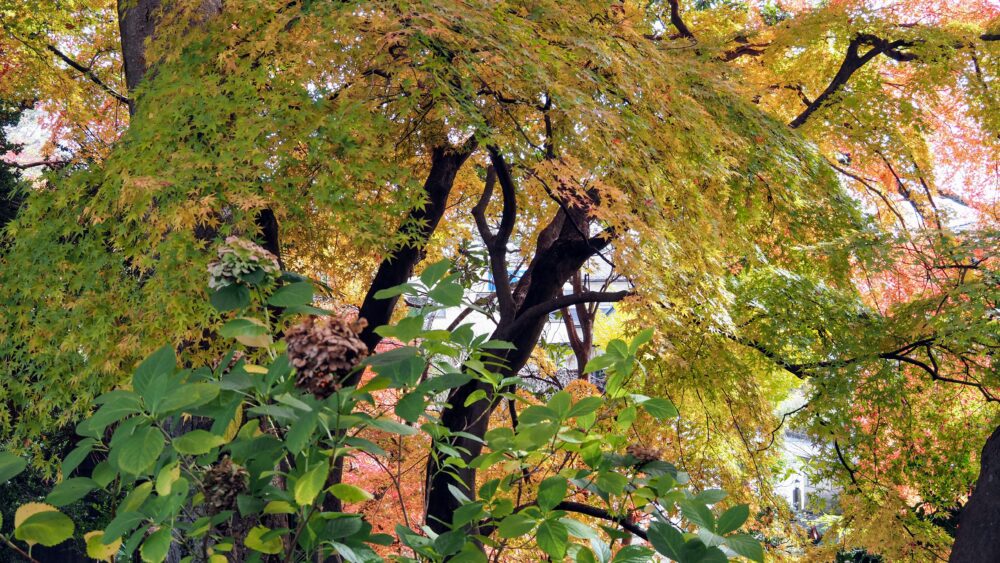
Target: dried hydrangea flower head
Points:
(644, 455)
(240, 257)
(323, 351)
(223, 482)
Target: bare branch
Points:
(89, 73)
(530, 314)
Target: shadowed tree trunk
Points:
(978, 537)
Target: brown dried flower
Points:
(223, 482)
(643, 454)
(323, 350)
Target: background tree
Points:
(695, 147)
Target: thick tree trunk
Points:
(978, 537)
(562, 249)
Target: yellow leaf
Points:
(96, 548)
(28, 510)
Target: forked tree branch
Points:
(853, 61)
(88, 71)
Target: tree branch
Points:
(89, 73)
(498, 248)
(853, 61)
(677, 22)
(531, 314)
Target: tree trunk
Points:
(561, 250)
(978, 537)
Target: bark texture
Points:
(978, 537)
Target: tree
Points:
(695, 149)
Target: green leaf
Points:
(747, 546)
(469, 554)
(711, 496)
(598, 363)
(434, 272)
(255, 541)
(698, 513)
(189, 396)
(585, 406)
(405, 330)
(70, 491)
(578, 529)
(10, 466)
(552, 538)
(660, 409)
(160, 363)
(633, 554)
(47, 528)
(515, 525)
(350, 493)
(156, 546)
(584, 555)
(666, 539)
(611, 483)
(732, 519)
(301, 431)
(395, 291)
(292, 295)
(139, 452)
(560, 403)
(310, 484)
(450, 542)
(122, 523)
(551, 492)
(231, 297)
(133, 501)
(448, 294)
(72, 460)
(410, 407)
(643, 337)
(247, 331)
(197, 442)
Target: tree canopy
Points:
(803, 199)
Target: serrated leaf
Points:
(47, 528)
(552, 538)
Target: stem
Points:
(20, 551)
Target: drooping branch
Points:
(853, 61)
(37, 163)
(89, 73)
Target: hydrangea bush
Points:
(234, 462)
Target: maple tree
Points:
(770, 178)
